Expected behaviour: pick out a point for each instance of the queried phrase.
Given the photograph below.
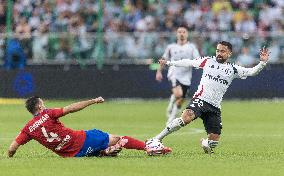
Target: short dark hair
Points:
(31, 104)
(183, 26)
(228, 44)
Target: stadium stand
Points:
(63, 30)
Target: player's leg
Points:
(213, 126)
(193, 110)
(113, 147)
(210, 143)
(180, 92)
(170, 106)
(126, 142)
(213, 140)
(116, 143)
(186, 117)
(176, 107)
(131, 143)
(95, 142)
(172, 101)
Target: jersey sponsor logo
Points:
(64, 141)
(217, 79)
(37, 123)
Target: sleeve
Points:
(167, 53)
(243, 72)
(55, 113)
(23, 138)
(197, 63)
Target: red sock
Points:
(131, 143)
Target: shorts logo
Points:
(89, 151)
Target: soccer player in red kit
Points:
(46, 128)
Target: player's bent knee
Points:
(179, 101)
(178, 95)
(187, 116)
(113, 139)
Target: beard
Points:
(220, 59)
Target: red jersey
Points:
(51, 133)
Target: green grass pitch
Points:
(251, 141)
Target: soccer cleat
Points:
(166, 150)
(153, 152)
(205, 146)
(154, 147)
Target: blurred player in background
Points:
(180, 77)
(217, 76)
(46, 128)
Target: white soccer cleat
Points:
(154, 147)
(164, 151)
(205, 146)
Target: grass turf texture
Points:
(251, 141)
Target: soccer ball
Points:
(154, 145)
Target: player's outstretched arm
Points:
(182, 63)
(13, 148)
(263, 57)
(81, 105)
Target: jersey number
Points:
(197, 102)
(50, 137)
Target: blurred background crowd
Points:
(61, 30)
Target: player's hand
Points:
(264, 54)
(159, 76)
(162, 62)
(99, 100)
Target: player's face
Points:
(222, 53)
(182, 33)
(41, 105)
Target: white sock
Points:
(212, 144)
(170, 106)
(174, 113)
(175, 125)
(209, 143)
